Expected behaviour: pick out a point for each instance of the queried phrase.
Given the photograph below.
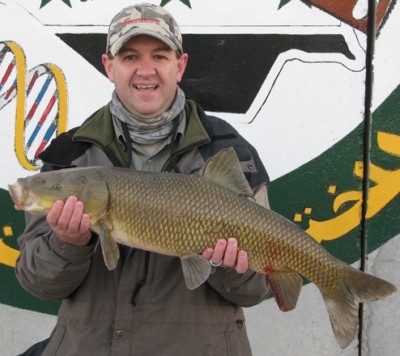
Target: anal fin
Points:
(286, 288)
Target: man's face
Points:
(145, 73)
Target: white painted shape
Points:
(21, 328)
(203, 13)
(357, 47)
(88, 89)
(387, 58)
(360, 10)
(299, 129)
(382, 326)
(311, 108)
(306, 330)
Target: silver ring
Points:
(216, 264)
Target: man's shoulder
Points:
(213, 124)
(223, 135)
(63, 150)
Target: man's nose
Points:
(146, 68)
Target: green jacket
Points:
(143, 306)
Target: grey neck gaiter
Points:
(149, 131)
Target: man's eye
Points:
(130, 58)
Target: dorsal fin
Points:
(224, 170)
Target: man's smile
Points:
(146, 87)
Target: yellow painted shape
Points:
(62, 114)
(7, 231)
(332, 189)
(8, 255)
(308, 211)
(62, 97)
(297, 217)
(386, 187)
(20, 62)
(389, 143)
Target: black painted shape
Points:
(225, 71)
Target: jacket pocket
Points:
(237, 343)
(55, 341)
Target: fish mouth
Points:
(20, 197)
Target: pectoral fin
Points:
(196, 270)
(109, 246)
(95, 196)
(286, 288)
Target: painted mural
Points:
(292, 76)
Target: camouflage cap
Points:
(143, 19)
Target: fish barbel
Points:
(181, 215)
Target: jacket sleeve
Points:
(47, 267)
(247, 289)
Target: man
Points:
(143, 306)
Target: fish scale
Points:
(182, 215)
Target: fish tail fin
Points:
(342, 302)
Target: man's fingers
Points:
(226, 254)
(208, 252)
(54, 213)
(76, 217)
(242, 263)
(84, 224)
(69, 223)
(219, 252)
(67, 213)
(230, 255)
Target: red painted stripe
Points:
(7, 73)
(32, 110)
(47, 110)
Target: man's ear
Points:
(182, 62)
(107, 63)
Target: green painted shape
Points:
(386, 223)
(45, 2)
(11, 292)
(186, 2)
(306, 187)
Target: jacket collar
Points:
(98, 129)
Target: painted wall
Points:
(291, 76)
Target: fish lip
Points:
(19, 196)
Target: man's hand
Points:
(226, 252)
(69, 223)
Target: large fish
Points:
(181, 215)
